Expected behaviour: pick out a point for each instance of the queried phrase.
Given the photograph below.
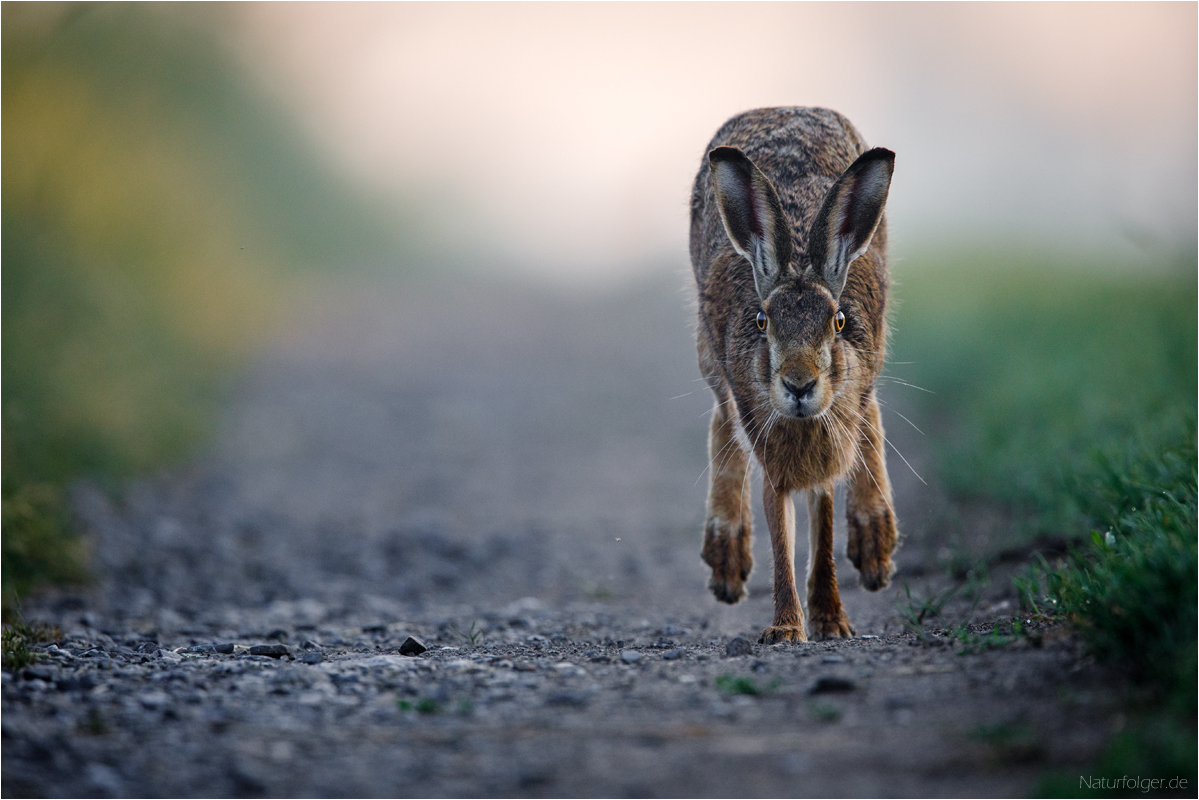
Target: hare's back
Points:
(801, 150)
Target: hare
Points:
(788, 246)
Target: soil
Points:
(515, 476)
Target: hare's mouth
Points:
(800, 399)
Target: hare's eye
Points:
(762, 321)
(839, 321)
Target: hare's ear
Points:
(847, 220)
(752, 214)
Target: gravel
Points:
(446, 543)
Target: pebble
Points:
(630, 656)
(413, 647)
(312, 657)
(739, 646)
(671, 655)
(272, 650)
(572, 699)
(832, 685)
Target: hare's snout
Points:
(799, 396)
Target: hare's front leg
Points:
(870, 509)
(788, 615)
(729, 525)
(827, 617)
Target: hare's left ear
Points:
(852, 208)
(753, 216)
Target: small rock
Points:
(831, 685)
(271, 650)
(412, 647)
(571, 699)
(278, 634)
(759, 666)
(832, 660)
(38, 673)
(312, 657)
(675, 630)
(154, 699)
(524, 666)
(664, 643)
(309, 644)
(671, 655)
(590, 653)
(739, 646)
(226, 648)
(630, 656)
(168, 655)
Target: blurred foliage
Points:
(157, 215)
(1067, 395)
(1043, 374)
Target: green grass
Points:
(1042, 373)
(16, 638)
(1067, 398)
(730, 684)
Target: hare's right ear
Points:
(852, 209)
(752, 215)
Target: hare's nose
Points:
(799, 392)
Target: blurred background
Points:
(185, 184)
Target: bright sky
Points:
(564, 137)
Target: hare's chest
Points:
(800, 454)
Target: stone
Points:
(271, 650)
(739, 646)
(832, 660)
(412, 647)
(225, 648)
(675, 630)
(630, 656)
(569, 699)
(832, 685)
(671, 655)
(312, 657)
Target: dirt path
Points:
(516, 478)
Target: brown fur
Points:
(770, 201)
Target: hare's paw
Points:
(726, 551)
(783, 633)
(872, 539)
(830, 627)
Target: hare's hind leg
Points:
(729, 525)
(870, 509)
(826, 617)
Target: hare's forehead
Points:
(797, 306)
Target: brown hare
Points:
(789, 249)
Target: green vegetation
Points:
(1045, 374)
(1067, 397)
(730, 684)
(157, 216)
(17, 637)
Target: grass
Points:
(1042, 373)
(16, 638)
(1067, 398)
(730, 684)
